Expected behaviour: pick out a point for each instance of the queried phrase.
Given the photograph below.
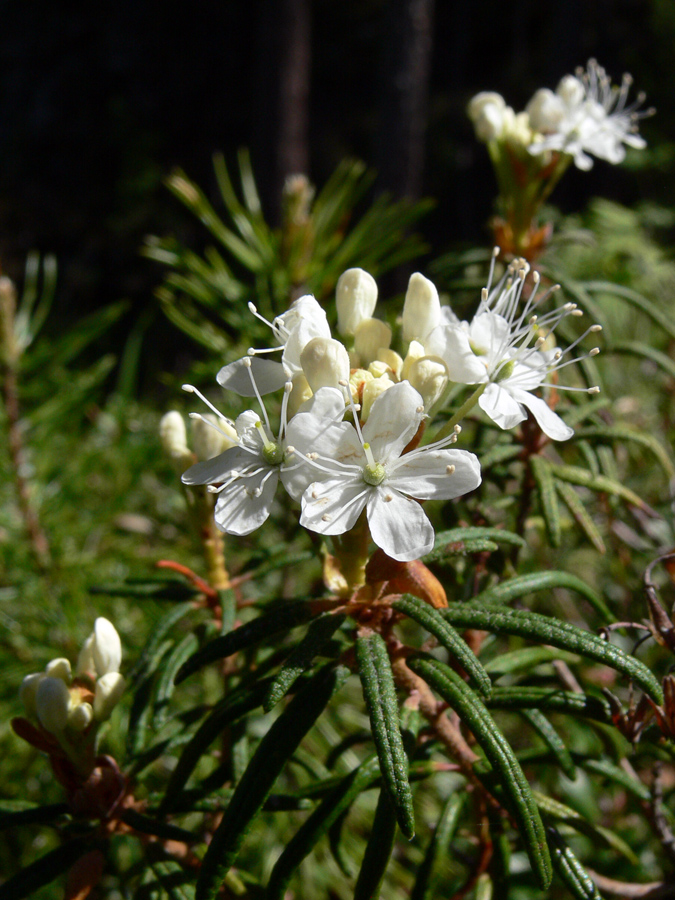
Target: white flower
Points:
(586, 114)
(293, 330)
(502, 347)
(353, 469)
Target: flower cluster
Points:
(70, 705)
(348, 447)
(586, 114)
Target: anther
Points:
(326, 518)
(594, 390)
(449, 470)
(595, 328)
(457, 429)
(594, 351)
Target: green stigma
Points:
(374, 474)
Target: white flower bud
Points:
(378, 368)
(571, 90)
(52, 704)
(172, 435)
(59, 668)
(27, 693)
(107, 648)
(108, 691)
(544, 110)
(81, 717)
(209, 441)
(429, 376)
(356, 296)
(371, 391)
(485, 98)
(488, 111)
(371, 336)
(325, 363)
(422, 308)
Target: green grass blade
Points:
(599, 483)
(270, 757)
(466, 703)
(580, 514)
(430, 619)
(166, 680)
(379, 692)
(552, 739)
(541, 471)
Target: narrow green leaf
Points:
(148, 825)
(438, 846)
(172, 878)
(549, 630)
(599, 483)
(556, 810)
(552, 739)
(142, 704)
(228, 610)
(457, 693)
(159, 632)
(446, 542)
(320, 631)
(644, 351)
(30, 815)
(330, 810)
(165, 682)
(45, 869)
(526, 658)
(283, 618)
(379, 692)
(580, 514)
(499, 453)
(634, 299)
(569, 869)
(152, 589)
(622, 434)
(227, 711)
(430, 619)
(378, 850)
(550, 699)
(541, 470)
(270, 757)
(542, 581)
(336, 848)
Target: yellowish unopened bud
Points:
(81, 717)
(371, 336)
(208, 441)
(108, 691)
(300, 393)
(325, 363)
(52, 704)
(371, 391)
(393, 360)
(429, 376)
(422, 308)
(356, 296)
(59, 668)
(173, 435)
(415, 352)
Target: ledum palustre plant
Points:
(388, 678)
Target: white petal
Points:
(399, 525)
(332, 507)
(240, 509)
(423, 474)
(326, 403)
(219, 469)
(269, 376)
(52, 701)
(549, 422)
(107, 647)
(298, 339)
(393, 421)
(451, 343)
(500, 406)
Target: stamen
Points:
(191, 389)
(247, 364)
(449, 470)
(211, 424)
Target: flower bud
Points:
(371, 391)
(27, 693)
(209, 441)
(487, 111)
(81, 717)
(422, 308)
(52, 704)
(325, 363)
(172, 435)
(571, 90)
(108, 691)
(300, 393)
(102, 651)
(393, 360)
(370, 337)
(429, 376)
(415, 351)
(356, 296)
(59, 668)
(544, 110)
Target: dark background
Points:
(99, 101)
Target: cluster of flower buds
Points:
(586, 116)
(70, 705)
(354, 412)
